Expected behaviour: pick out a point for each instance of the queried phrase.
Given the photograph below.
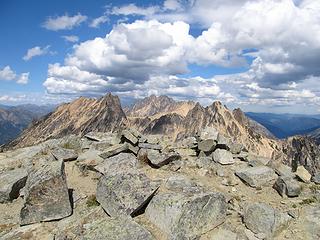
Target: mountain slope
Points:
(78, 117)
(13, 119)
(285, 125)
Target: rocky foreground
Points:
(132, 186)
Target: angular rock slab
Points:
(257, 176)
(207, 145)
(209, 133)
(158, 160)
(185, 216)
(114, 150)
(46, 196)
(223, 157)
(287, 186)
(303, 174)
(128, 136)
(10, 184)
(64, 154)
(125, 193)
(150, 146)
(116, 229)
(122, 162)
(262, 218)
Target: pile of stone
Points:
(135, 178)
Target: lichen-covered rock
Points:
(185, 216)
(207, 145)
(262, 218)
(125, 193)
(223, 157)
(121, 162)
(309, 221)
(287, 186)
(114, 150)
(10, 184)
(46, 194)
(128, 136)
(257, 176)
(158, 160)
(222, 234)
(181, 183)
(64, 154)
(115, 229)
(209, 133)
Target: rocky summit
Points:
(127, 184)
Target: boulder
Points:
(109, 137)
(309, 221)
(150, 146)
(223, 157)
(125, 193)
(186, 152)
(181, 183)
(187, 216)
(10, 184)
(303, 174)
(158, 160)
(89, 159)
(126, 135)
(115, 229)
(235, 148)
(46, 194)
(121, 162)
(284, 171)
(209, 133)
(255, 160)
(257, 176)
(222, 234)
(64, 154)
(223, 142)
(114, 150)
(261, 218)
(207, 145)
(287, 186)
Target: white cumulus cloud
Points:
(64, 22)
(7, 74)
(36, 51)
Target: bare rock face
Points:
(46, 197)
(257, 176)
(125, 194)
(10, 184)
(185, 216)
(81, 116)
(262, 218)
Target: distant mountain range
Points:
(14, 119)
(285, 125)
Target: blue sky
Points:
(201, 50)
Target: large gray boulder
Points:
(207, 145)
(122, 162)
(115, 149)
(115, 229)
(10, 184)
(223, 157)
(128, 136)
(316, 178)
(209, 133)
(64, 154)
(185, 215)
(261, 218)
(46, 194)
(287, 186)
(125, 193)
(257, 176)
(158, 160)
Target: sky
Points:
(260, 55)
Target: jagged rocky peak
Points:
(158, 105)
(78, 117)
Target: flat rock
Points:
(223, 157)
(115, 149)
(64, 154)
(11, 182)
(303, 174)
(128, 136)
(158, 160)
(181, 183)
(89, 159)
(121, 162)
(109, 137)
(287, 186)
(125, 193)
(185, 216)
(150, 146)
(309, 221)
(186, 152)
(207, 145)
(46, 194)
(284, 171)
(255, 160)
(261, 218)
(115, 229)
(257, 176)
(222, 234)
(209, 133)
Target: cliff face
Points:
(78, 117)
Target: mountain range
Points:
(13, 119)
